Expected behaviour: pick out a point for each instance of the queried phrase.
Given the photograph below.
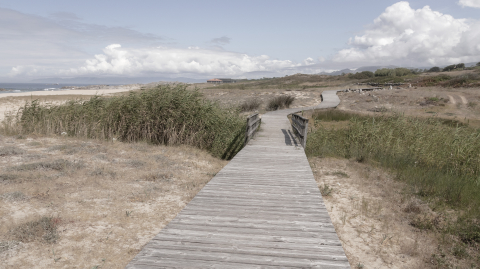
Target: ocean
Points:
(32, 87)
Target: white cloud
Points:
(116, 60)
(402, 35)
(309, 61)
(59, 41)
(34, 46)
(469, 3)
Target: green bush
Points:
(400, 72)
(397, 72)
(434, 80)
(462, 81)
(161, 115)
(362, 75)
(385, 72)
(453, 67)
(435, 69)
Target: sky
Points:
(238, 39)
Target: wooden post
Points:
(305, 132)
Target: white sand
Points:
(67, 92)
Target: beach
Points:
(12, 101)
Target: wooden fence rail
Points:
(253, 122)
(300, 127)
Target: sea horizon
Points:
(33, 87)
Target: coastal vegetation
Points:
(161, 115)
(438, 159)
(280, 102)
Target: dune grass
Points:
(162, 115)
(439, 161)
(250, 105)
(280, 102)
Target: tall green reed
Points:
(162, 115)
(440, 162)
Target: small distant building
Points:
(214, 80)
(221, 80)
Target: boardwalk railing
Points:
(300, 128)
(253, 122)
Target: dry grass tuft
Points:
(8, 177)
(43, 229)
(14, 196)
(11, 150)
(157, 176)
(250, 105)
(6, 245)
(280, 102)
(57, 165)
(412, 207)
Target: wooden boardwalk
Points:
(262, 210)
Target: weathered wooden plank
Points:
(292, 227)
(249, 243)
(253, 228)
(163, 262)
(224, 219)
(239, 206)
(270, 231)
(258, 214)
(271, 204)
(324, 238)
(326, 254)
(337, 261)
(258, 196)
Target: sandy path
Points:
(452, 100)
(464, 100)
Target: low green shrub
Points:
(396, 72)
(362, 75)
(434, 80)
(454, 67)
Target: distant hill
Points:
(375, 68)
(360, 69)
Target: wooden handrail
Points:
(300, 127)
(253, 122)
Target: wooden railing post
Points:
(305, 132)
(300, 128)
(253, 122)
